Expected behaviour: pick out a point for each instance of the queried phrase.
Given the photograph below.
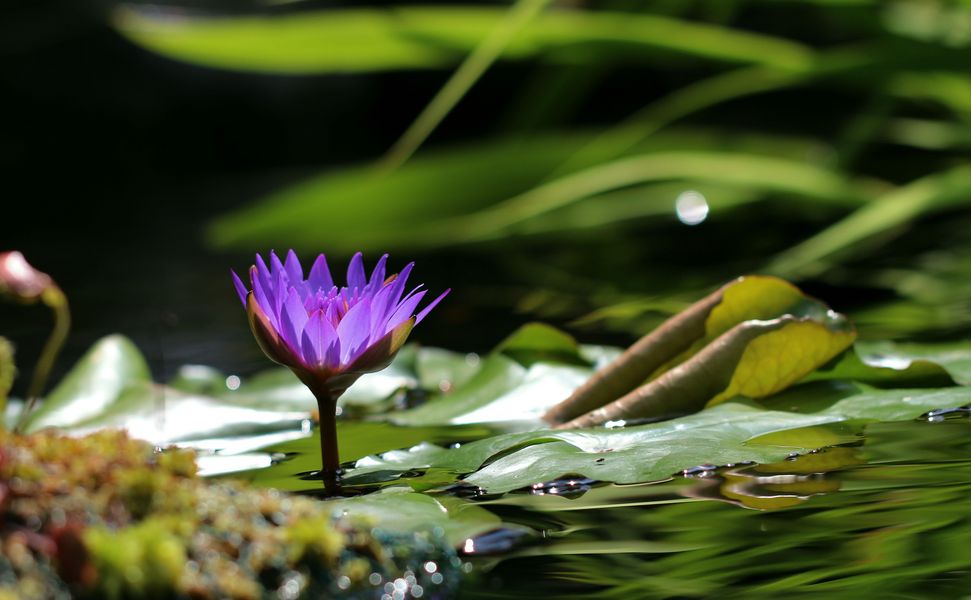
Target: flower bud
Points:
(21, 281)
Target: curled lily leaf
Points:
(753, 337)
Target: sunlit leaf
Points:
(428, 212)
(111, 387)
(414, 37)
(938, 192)
(93, 385)
(753, 337)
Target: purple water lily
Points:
(326, 334)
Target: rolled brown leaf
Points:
(630, 369)
(688, 386)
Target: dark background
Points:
(114, 160)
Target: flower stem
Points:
(329, 454)
(55, 299)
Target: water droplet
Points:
(374, 578)
(568, 487)
(691, 207)
(946, 414)
(497, 541)
(472, 359)
(430, 567)
(704, 470)
(437, 578)
(233, 382)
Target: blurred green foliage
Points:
(830, 153)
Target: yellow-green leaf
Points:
(754, 337)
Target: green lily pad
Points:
(727, 433)
(98, 380)
(356, 440)
(527, 373)
(954, 358)
(111, 387)
(398, 509)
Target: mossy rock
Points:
(106, 516)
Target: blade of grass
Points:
(896, 208)
(706, 93)
(423, 37)
(461, 81)
(766, 173)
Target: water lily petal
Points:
(377, 276)
(241, 290)
(280, 292)
(264, 274)
(381, 308)
(319, 278)
(356, 278)
(381, 352)
(405, 310)
(262, 296)
(293, 319)
(354, 330)
(266, 334)
(397, 288)
(293, 269)
(320, 344)
(276, 266)
(424, 312)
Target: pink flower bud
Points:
(20, 280)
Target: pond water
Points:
(888, 512)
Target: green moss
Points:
(8, 371)
(144, 560)
(106, 516)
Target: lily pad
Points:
(399, 510)
(111, 387)
(527, 373)
(727, 433)
(754, 336)
(954, 358)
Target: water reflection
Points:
(890, 515)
